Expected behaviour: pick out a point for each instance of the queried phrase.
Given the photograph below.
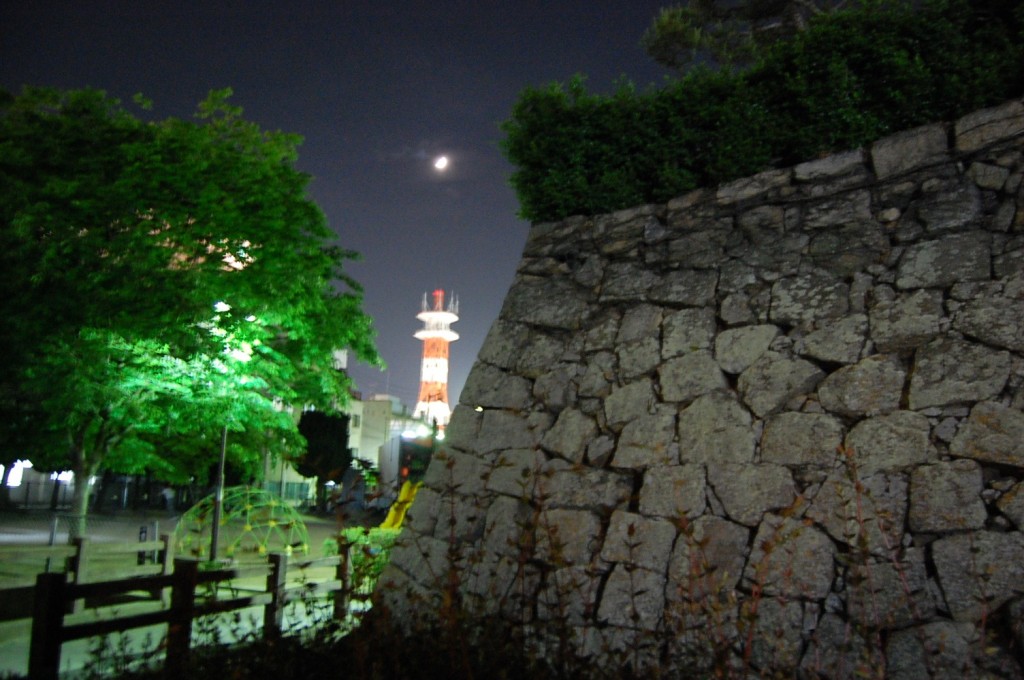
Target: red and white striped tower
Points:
(436, 335)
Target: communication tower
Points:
(436, 335)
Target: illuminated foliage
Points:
(160, 281)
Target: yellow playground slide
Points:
(396, 515)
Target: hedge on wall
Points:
(850, 78)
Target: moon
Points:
(440, 163)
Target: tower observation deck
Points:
(436, 335)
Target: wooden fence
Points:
(84, 561)
(55, 595)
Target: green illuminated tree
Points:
(161, 281)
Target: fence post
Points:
(343, 574)
(79, 565)
(141, 557)
(179, 625)
(47, 626)
(273, 612)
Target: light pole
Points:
(218, 497)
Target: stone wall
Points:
(780, 420)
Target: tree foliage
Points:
(327, 453)
(851, 77)
(727, 34)
(160, 281)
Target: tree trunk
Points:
(83, 471)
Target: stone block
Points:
(871, 386)
(895, 441)
(603, 331)
(626, 281)
(835, 165)
(421, 517)
(491, 387)
(908, 321)
(737, 348)
(647, 440)
(707, 561)
(890, 594)
(756, 185)
(638, 323)
(773, 380)
(1011, 504)
(673, 492)
(633, 599)
(568, 537)
(639, 357)
(867, 512)
(629, 402)
(981, 128)
(689, 376)
(505, 526)
(639, 541)
(453, 471)
(687, 330)
(909, 150)
(979, 571)
(714, 428)
(515, 472)
(463, 427)
(997, 321)
(687, 287)
(948, 371)
(837, 650)
(993, 433)
(546, 302)
(504, 344)
(569, 596)
(940, 650)
(950, 206)
(943, 262)
(536, 356)
(749, 491)
(501, 429)
(801, 440)
(946, 496)
(570, 435)
(791, 559)
(555, 389)
(808, 298)
(777, 639)
(985, 176)
(700, 249)
(562, 485)
(840, 341)
(596, 374)
(849, 207)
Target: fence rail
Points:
(55, 596)
(85, 561)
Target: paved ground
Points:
(21, 528)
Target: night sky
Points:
(378, 89)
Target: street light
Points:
(218, 498)
(242, 353)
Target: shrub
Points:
(850, 78)
(370, 551)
